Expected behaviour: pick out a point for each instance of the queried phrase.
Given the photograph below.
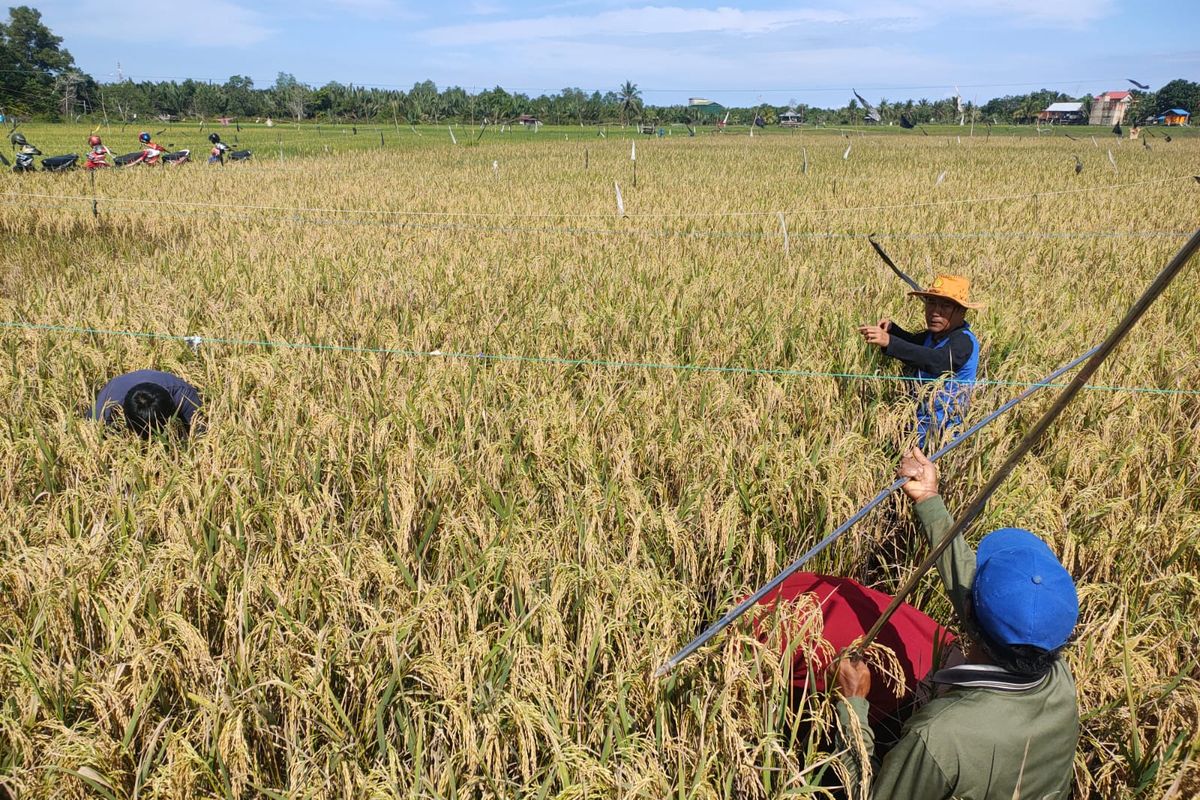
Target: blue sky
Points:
(740, 52)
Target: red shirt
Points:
(847, 610)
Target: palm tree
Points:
(1029, 109)
(631, 99)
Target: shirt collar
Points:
(987, 676)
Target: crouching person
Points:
(148, 400)
(1007, 723)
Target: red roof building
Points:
(1110, 108)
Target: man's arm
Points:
(857, 739)
(956, 564)
(855, 735)
(186, 398)
(895, 331)
(907, 772)
(934, 360)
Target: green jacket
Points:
(989, 732)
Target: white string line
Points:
(660, 233)
(566, 215)
(196, 341)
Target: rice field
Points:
(481, 453)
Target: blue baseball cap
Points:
(1022, 594)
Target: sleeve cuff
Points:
(861, 706)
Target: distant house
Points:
(790, 119)
(702, 109)
(1110, 108)
(1063, 114)
(1176, 116)
(528, 119)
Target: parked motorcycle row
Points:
(97, 157)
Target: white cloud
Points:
(653, 20)
(225, 24)
(482, 8)
(643, 21)
(370, 9)
(673, 75)
(1048, 13)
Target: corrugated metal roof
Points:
(1179, 112)
(1065, 107)
(1113, 95)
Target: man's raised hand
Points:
(876, 334)
(922, 476)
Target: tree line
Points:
(39, 78)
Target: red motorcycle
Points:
(152, 153)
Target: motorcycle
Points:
(60, 163)
(220, 151)
(24, 157)
(152, 157)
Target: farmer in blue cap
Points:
(1007, 722)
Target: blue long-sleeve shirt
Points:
(909, 348)
(184, 396)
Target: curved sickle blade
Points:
(892, 265)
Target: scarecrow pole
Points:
(973, 509)
(95, 210)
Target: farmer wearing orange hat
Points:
(946, 349)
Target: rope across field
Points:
(195, 341)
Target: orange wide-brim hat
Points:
(954, 288)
